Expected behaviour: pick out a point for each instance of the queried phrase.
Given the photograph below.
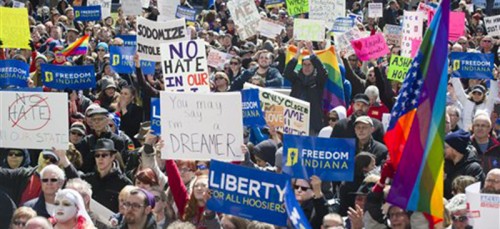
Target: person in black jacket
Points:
(308, 84)
(391, 14)
(311, 199)
(363, 127)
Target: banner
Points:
(269, 28)
(295, 7)
(457, 25)
(68, 77)
(483, 209)
(14, 28)
(105, 6)
(14, 73)
(326, 10)
(371, 47)
(294, 114)
(128, 40)
(342, 24)
(398, 67)
(217, 59)
(248, 193)
(87, 13)
(155, 116)
(375, 10)
(198, 126)
(245, 16)
(331, 159)
(131, 7)
(34, 120)
(151, 34)
(492, 25)
(308, 29)
(393, 34)
(252, 112)
(412, 30)
(184, 65)
(472, 65)
(294, 210)
(187, 13)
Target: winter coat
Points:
(469, 165)
(107, 188)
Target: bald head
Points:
(38, 223)
(492, 182)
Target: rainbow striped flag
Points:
(79, 47)
(415, 137)
(333, 94)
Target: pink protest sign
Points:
(457, 25)
(370, 47)
(415, 45)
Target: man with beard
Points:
(138, 210)
(492, 182)
(271, 75)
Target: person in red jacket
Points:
(377, 108)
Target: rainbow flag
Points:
(333, 95)
(79, 47)
(415, 137)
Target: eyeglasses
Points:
(304, 189)
(333, 119)
(461, 218)
(52, 180)
(19, 223)
(486, 41)
(51, 159)
(12, 154)
(134, 206)
(76, 133)
(103, 155)
(234, 63)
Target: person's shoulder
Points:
(31, 203)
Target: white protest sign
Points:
(308, 29)
(375, 10)
(184, 65)
(34, 120)
(393, 34)
(245, 16)
(132, 7)
(326, 10)
(484, 209)
(270, 29)
(492, 25)
(202, 126)
(167, 8)
(17, 4)
(105, 7)
(150, 34)
(295, 113)
(217, 59)
(413, 24)
(343, 41)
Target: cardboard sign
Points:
(105, 7)
(245, 16)
(248, 193)
(492, 25)
(14, 73)
(34, 120)
(412, 30)
(371, 47)
(269, 28)
(14, 28)
(132, 7)
(151, 34)
(87, 13)
(393, 34)
(343, 24)
(472, 65)
(483, 209)
(375, 10)
(308, 29)
(217, 59)
(198, 126)
(68, 77)
(457, 25)
(295, 7)
(184, 65)
(326, 10)
(398, 67)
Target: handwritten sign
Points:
(105, 6)
(14, 28)
(308, 29)
(132, 7)
(246, 16)
(343, 41)
(412, 30)
(295, 7)
(326, 10)
(371, 47)
(375, 10)
(217, 59)
(492, 25)
(151, 34)
(184, 65)
(33, 120)
(393, 34)
(269, 28)
(202, 126)
(398, 68)
(483, 209)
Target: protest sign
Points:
(342, 24)
(415, 46)
(343, 41)
(427, 10)
(269, 28)
(326, 10)
(217, 59)
(274, 3)
(245, 16)
(480, 4)
(105, 6)
(393, 34)
(184, 65)
(398, 67)
(457, 25)
(122, 59)
(308, 29)
(356, 17)
(294, 210)
(252, 112)
(386, 119)
(375, 10)
(167, 8)
(331, 159)
(248, 193)
(187, 13)
(472, 65)
(87, 13)
(483, 209)
(68, 77)
(411, 30)
(14, 73)
(34, 120)
(151, 34)
(131, 7)
(371, 47)
(295, 7)
(17, 4)
(128, 40)
(293, 113)
(492, 25)
(155, 116)
(14, 28)
(201, 126)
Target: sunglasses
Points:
(15, 154)
(234, 63)
(304, 189)
(52, 180)
(487, 41)
(103, 155)
(333, 119)
(462, 218)
(51, 159)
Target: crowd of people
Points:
(113, 159)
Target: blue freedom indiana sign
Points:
(187, 13)
(122, 60)
(252, 112)
(13, 73)
(155, 116)
(88, 13)
(68, 77)
(248, 193)
(472, 65)
(331, 159)
(294, 211)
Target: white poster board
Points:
(308, 29)
(151, 34)
(167, 8)
(245, 16)
(269, 28)
(343, 41)
(484, 209)
(105, 7)
(413, 24)
(34, 120)
(217, 59)
(492, 25)
(202, 126)
(184, 65)
(132, 7)
(375, 10)
(326, 10)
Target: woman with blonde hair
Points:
(21, 216)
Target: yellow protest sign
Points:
(14, 28)
(295, 7)
(398, 68)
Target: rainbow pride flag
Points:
(415, 137)
(79, 47)
(333, 94)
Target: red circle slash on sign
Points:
(30, 112)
